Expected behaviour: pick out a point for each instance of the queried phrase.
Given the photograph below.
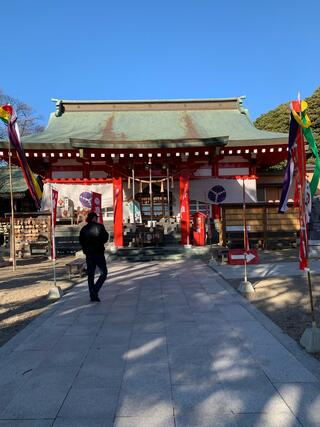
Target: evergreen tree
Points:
(278, 119)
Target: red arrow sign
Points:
(236, 256)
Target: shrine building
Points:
(155, 162)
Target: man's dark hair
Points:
(91, 216)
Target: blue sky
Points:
(126, 49)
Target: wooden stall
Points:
(32, 233)
(266, 227)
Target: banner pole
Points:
(244, 229)
(168, 192)
(13, 238)
(303, 214)
(53, 239)
(245, 286)
(133, 196)
(150, 190)
(310, 339)
(54, 292)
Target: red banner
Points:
(96, 205)
(118, 211)
(301, 181)
(184, 210)
(54, 206)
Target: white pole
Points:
(53, 244)
(245, 287)
(168, 192)
(150, 190)
(55, 291)
(13, 238)
(245, 230)
(133, 197)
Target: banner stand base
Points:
(54, 293)
(310, 340)
(4, 263)
(213, 262)
(246, 287)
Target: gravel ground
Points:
(23, 293)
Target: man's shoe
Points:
(95, 298)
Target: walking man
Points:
(92, 238)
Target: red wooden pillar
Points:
(86, 170)
(117, 211)
(184, 209)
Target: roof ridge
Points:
(142, 101)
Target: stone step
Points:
(173, 253)
(147, 258)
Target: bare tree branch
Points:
(28, 121)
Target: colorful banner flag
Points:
(296, 110)
(5, 113)
(296, 169)
(305, 123)
(290, 168)
(8, 116)
(96, 204)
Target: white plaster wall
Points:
(66, 174)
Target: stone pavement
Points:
(171, 344)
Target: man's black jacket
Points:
(92, 238)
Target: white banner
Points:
(75, 199)
(218, 191)
(137, 212)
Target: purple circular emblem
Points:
(217, 194)
(85, 199)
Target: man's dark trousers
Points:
(94, 261)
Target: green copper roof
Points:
(18, 182)
(129, 126)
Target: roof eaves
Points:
(143, 101)
(150, 144)
(257, 142)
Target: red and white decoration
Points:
(96, 205)
(54, 205)
(76, 197)
(118, 210)
(237, 256)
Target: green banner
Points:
(312, 144)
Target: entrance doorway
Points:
(158, 208)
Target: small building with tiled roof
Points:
(21, 197)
